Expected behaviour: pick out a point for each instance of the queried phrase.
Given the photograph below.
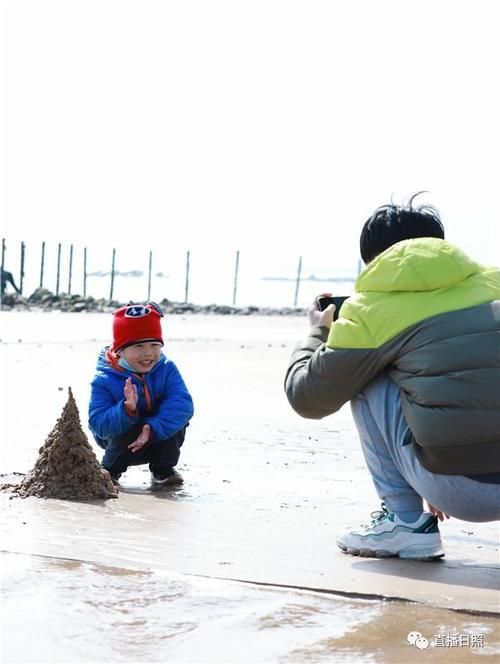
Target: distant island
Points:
(311, 277)
(130, 273)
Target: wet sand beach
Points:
(239, 564)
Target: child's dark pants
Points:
(161, 454)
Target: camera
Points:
(323, 301)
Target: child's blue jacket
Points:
(164, 401)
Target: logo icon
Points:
(137, 311)
(416, 639)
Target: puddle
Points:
(66, 611)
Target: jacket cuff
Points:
(320, 332)
(130, 413)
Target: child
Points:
(139, 405)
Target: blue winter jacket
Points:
(164, 401)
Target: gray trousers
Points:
(399, 478)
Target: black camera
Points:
(323, 301)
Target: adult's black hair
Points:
(392, 223)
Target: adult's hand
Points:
(319, 318)
(440, 515)
(141, 440)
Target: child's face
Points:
(142, 356)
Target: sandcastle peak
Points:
(67, 467)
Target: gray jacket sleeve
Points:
(320, 380)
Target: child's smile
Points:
(142, 356)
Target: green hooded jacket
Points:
(430, 316)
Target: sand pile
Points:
(67, 467)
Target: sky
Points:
(270, 127)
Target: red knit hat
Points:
(136, 322)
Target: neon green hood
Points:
(409, 282)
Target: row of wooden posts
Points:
(113, 271)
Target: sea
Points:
(238, 278)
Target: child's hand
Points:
(130, 394)
(142, 439)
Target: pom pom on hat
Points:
(136, 322)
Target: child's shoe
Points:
(166, 477)
(115, 477)
(387, 535)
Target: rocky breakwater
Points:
(44, 300)
(226, 310)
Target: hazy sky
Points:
(272, 125)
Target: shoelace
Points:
(378, 515)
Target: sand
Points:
(67, 467)
(265, 491)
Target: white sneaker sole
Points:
(414, 554)
(430, 548)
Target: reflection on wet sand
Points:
(82, 612)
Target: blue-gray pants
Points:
(399, 478)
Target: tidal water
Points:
(66, 611)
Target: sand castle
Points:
(67, 467)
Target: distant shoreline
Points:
(42, 300)
(312, 277)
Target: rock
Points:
(80, 305)
(11, 300)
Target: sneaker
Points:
(115, 477)
(166, 477)
(387, 535)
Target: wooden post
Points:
(85, 272)
(186, 290)
(42, 264)
(70, 268)
(58, 268)
(236, 269)
(112, 276)
(21, 275)
(149, 274)
(299, 270)
(3, 263)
